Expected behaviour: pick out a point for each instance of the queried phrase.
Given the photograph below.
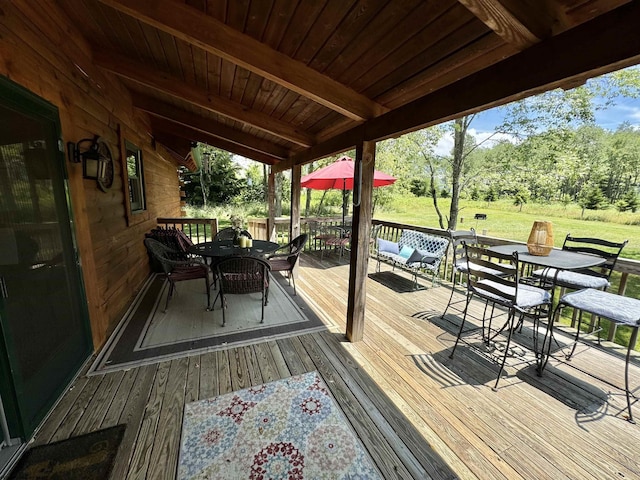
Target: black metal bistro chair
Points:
(177, 270)
(457, 240)
(495, 278)
(242, 275)
(597, 277)
(287, 259)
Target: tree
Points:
(629, 202)
(216, 180)
(592, 198)
(521, 197)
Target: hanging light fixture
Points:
(540, 241)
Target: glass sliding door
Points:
(44, 330)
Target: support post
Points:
(294, 227)
(361, 227)
(271, 206)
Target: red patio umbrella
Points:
(339, 175)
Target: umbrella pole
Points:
(344, 201)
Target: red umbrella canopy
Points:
(339, 175)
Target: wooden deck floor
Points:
(420, 414)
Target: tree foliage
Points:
(216, 181)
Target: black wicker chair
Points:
(286, 261)
(241, 275)
(177, 270)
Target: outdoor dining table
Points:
(556, 261)
(226, 248)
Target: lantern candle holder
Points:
(540, 241)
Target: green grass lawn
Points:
(504, 220)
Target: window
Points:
(135, 177)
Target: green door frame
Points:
(18, 98)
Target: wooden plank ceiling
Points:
(287, 81)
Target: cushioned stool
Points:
(620, 310)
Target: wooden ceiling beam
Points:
(163, 110)
(205, 32)
(594, 48)
(193, 135)
(518, 26)
(158, 80)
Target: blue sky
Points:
(625, 109)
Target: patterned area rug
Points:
(288, 429)
(147, 335)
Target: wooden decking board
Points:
(268, 368)
(414, 408)
(238, 368)
(148, 427)
(130, 412)
(573, 473)
(59, 413)
(209, 385)
(79, 408)
(278, 359)
(224, 372)
(253, 366)
(294, 363)
(507, 443)
(99, 404)
(193, 380)
(166, 445)
(550, 438)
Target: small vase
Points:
(236, 239)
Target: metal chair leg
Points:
(632, 341)
(506, 350)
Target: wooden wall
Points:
(41, 50)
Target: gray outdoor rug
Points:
(148, 335)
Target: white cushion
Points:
(461, 265)
(573, 279)
(528, 296)
(604, 304)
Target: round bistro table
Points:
(225, 248)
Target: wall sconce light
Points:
(93, 163)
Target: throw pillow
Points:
(406, 252)
(423, 257)
(387, 246)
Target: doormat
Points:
(148, 335)
(85, 457)
(395, 282)
(291, 428)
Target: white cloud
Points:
(444, 145)
(488, 140)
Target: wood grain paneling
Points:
(53, 60)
